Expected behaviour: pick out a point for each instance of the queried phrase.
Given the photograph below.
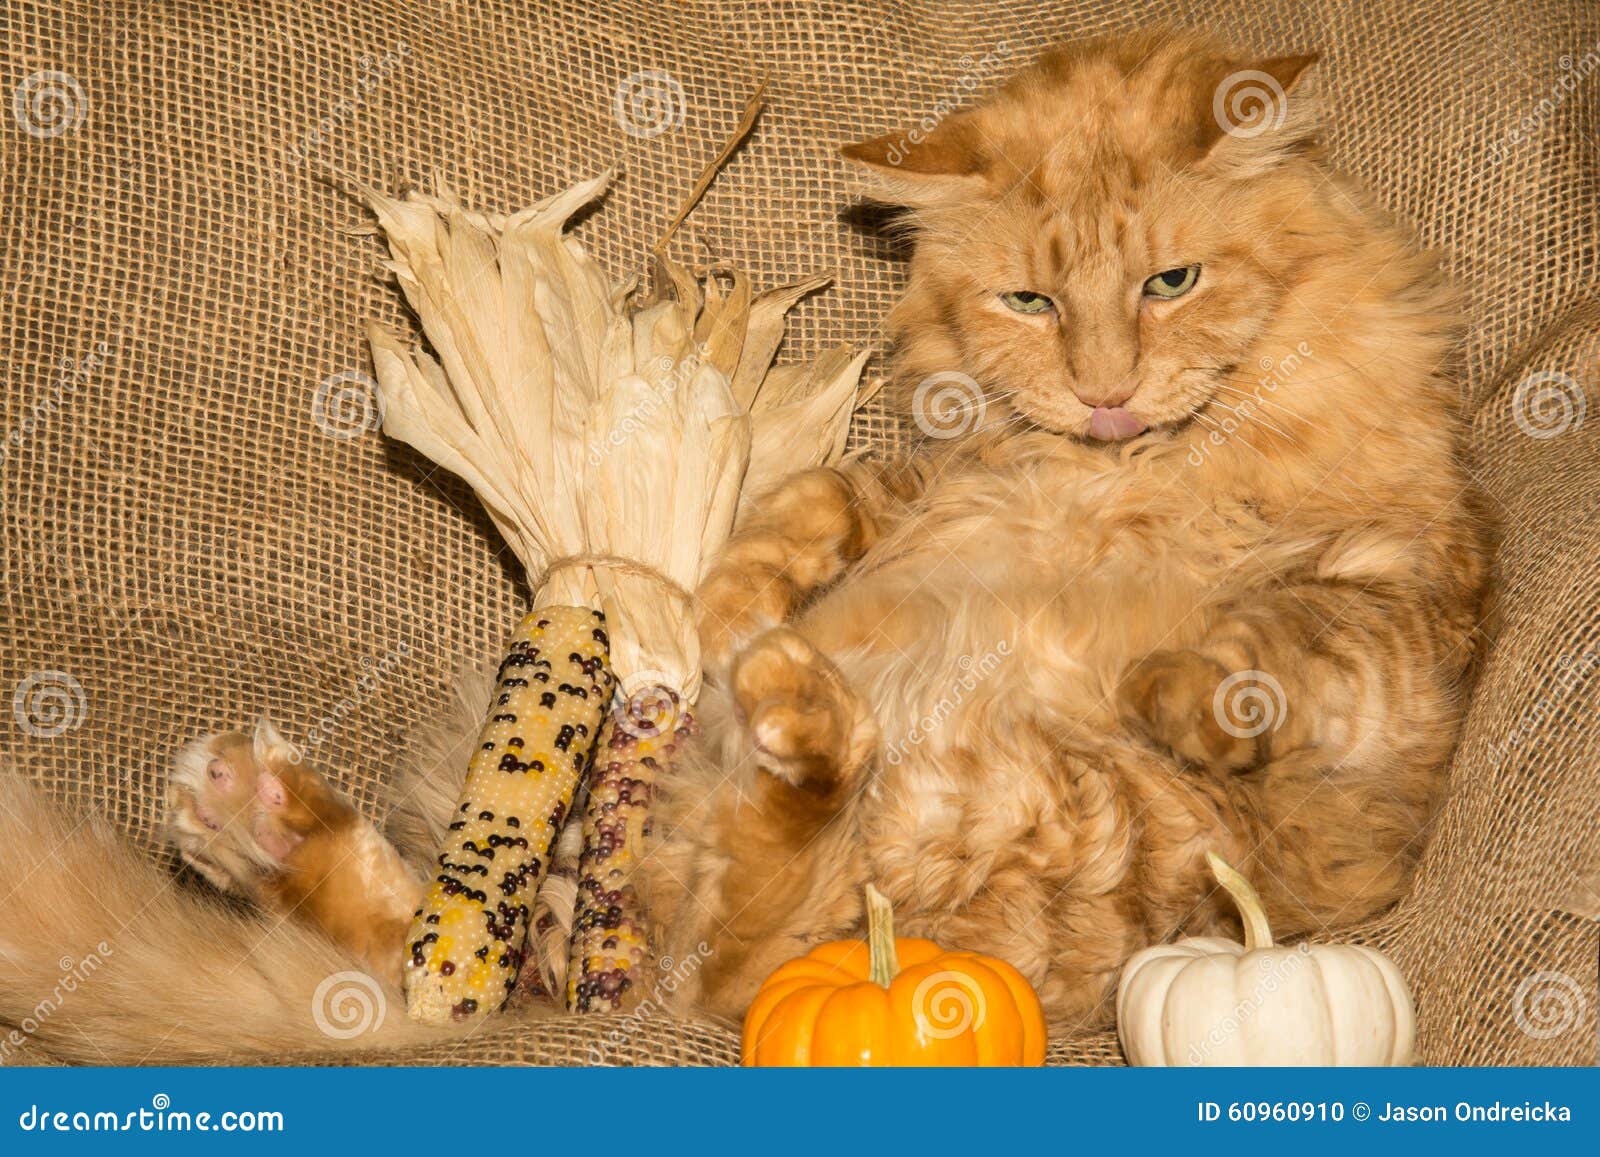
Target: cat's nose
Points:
(1108, 394)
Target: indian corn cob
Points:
(607, 434)
(610, 939)
(466, 940)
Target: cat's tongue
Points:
(1113, 423)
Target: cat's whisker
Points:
(1232, 436)
(1009, 420)
(1238, 409)
(1260, 401)
(1258, 419)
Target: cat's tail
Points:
(107, 959)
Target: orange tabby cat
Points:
(1186, 560)
(1135, 597)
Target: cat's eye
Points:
(1173, 282)
(1026, 301)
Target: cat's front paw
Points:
(1172, 697)
(801, 722)
(738, 601)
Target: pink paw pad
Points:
(270, 791)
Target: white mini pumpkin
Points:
(1208, 1002)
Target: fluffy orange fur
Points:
(1167, 574)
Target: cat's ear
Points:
(268, 744)
(1262, 113)
(922, 168)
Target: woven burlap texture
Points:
(200, 520)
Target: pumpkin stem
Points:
(1257, 932)
(885, 964)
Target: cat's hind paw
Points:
(1172, 697)
(229, 811)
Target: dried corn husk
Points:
(800, 418)
(609, 436)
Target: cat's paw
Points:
(229, 811)
(739, 600)
(1171, 696)
(801, 722)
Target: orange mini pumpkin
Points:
(893, 1002)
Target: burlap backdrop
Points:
(197, 527)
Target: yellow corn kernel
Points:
(466, 940)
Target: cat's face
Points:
(1089, 243)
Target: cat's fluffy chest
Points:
(1041, 576)
(1077, 532)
